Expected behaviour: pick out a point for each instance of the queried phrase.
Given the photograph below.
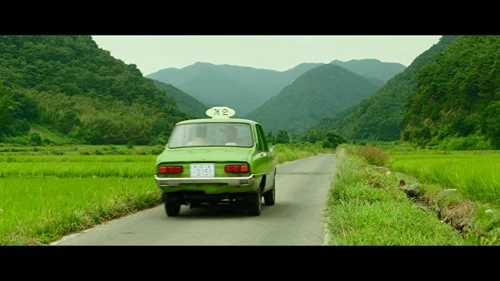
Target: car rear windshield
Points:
(211, 134)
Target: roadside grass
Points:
(57, 190)
(294, 151)
(369, 204)
(365, 207)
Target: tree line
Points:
(329, 139)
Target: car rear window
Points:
(211, 134)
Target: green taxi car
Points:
(217, 159)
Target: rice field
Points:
(476, 174)
(45, 197)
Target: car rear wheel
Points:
(172, 205)
(172, 209)
(270, 197)
(254, 203)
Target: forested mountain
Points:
(245, 88)
(242, 88)
(372, 68)
(456, 101)
(185, 102)
(70, 84)
(320, 92)
(380, 117)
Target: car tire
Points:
(270, 197)
(172, 206)
(254, 203)
(172, 209)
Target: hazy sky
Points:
(152, 53)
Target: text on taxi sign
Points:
(220, 111)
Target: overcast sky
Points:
(152, 53)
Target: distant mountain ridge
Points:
(318, 93)
(242, 88)
(373, 68)
(246, 88)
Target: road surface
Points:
(296, 218)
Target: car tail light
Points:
(170, 169)
(243, 168)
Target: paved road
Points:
(296, 218)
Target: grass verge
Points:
(294, 151)
(369, 204)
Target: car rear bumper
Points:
(230, 181)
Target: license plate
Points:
(202, 170)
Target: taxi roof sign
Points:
(220, 112)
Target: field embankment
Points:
(49, 192)
(382, 197)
